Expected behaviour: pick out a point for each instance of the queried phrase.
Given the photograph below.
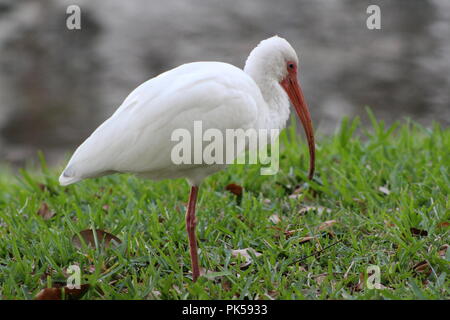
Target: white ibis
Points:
(137, 137)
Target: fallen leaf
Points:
(444, 224)
(155, 294)
(226, 285)
(418, 232)
(57, 293)
(296, 193)
(326, 224)
(49, 294)
(245, 253)
(422, 267)
(103, 237)
(272, 294)
(305, 239)
(274, 218)
(290, 233)
(234, 189)
(443, 251)
(360, 285)
(45, 212)
(384, 190)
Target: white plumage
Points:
(137, 137)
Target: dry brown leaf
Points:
(274, 218)
(290, 233)
(443, 251)
(57, 293)
(104, 238)
(360, 285)
(326, 224)
(422, 267)
(49, 294)
(234, 189)
(384, 190)
(245, 253)
(305, 239)
(272, 294)
(418, 232)
(444, 224)
(45, 212)
(226, 285)
(296, 193)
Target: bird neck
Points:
(275, 98)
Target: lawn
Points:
(380, 197)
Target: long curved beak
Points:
(292, 88)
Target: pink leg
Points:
(190, 227)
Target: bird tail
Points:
(68, 177)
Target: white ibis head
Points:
(274, 58)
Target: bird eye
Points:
(291, 66)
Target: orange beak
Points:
(291, 86)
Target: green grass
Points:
(372, 228)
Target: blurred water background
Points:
(57, 85)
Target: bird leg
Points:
(190, 227)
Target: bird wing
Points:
(137, 137)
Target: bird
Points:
(137, 137)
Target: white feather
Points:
(136, 138)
